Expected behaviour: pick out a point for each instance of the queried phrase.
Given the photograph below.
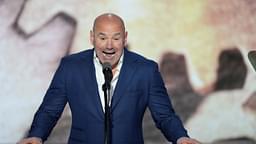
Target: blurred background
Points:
(201, 47)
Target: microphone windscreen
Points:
(107, 71)
(252, 58)
(106, 66)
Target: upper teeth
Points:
(108, 52)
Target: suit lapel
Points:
(126, 74)
(88, 73)
(91, 83)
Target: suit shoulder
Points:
(78, 56)
(143, 60)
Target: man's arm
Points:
(51, 108)
(162, 112)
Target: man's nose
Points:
(109, 44)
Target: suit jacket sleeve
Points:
(161, 109)
(52, 106)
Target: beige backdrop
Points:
(185, 37)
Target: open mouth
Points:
(108, 54)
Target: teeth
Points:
(108, 55)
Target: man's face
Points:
(109, 39)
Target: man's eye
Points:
(116, 38)
(102, 38)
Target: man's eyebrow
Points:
(104, 34)
(117, 34)
(101, 34)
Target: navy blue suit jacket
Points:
(139, 86)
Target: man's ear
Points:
(125, 39)
(92, 37)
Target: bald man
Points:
(136, 85)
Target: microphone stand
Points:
(107, 120)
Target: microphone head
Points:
(252, 58)
(106, 65)
(107, 71)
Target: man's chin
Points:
(112, 62)
(107, 61)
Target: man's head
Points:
(108, 38)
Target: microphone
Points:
(252, 58)
(108, 75)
